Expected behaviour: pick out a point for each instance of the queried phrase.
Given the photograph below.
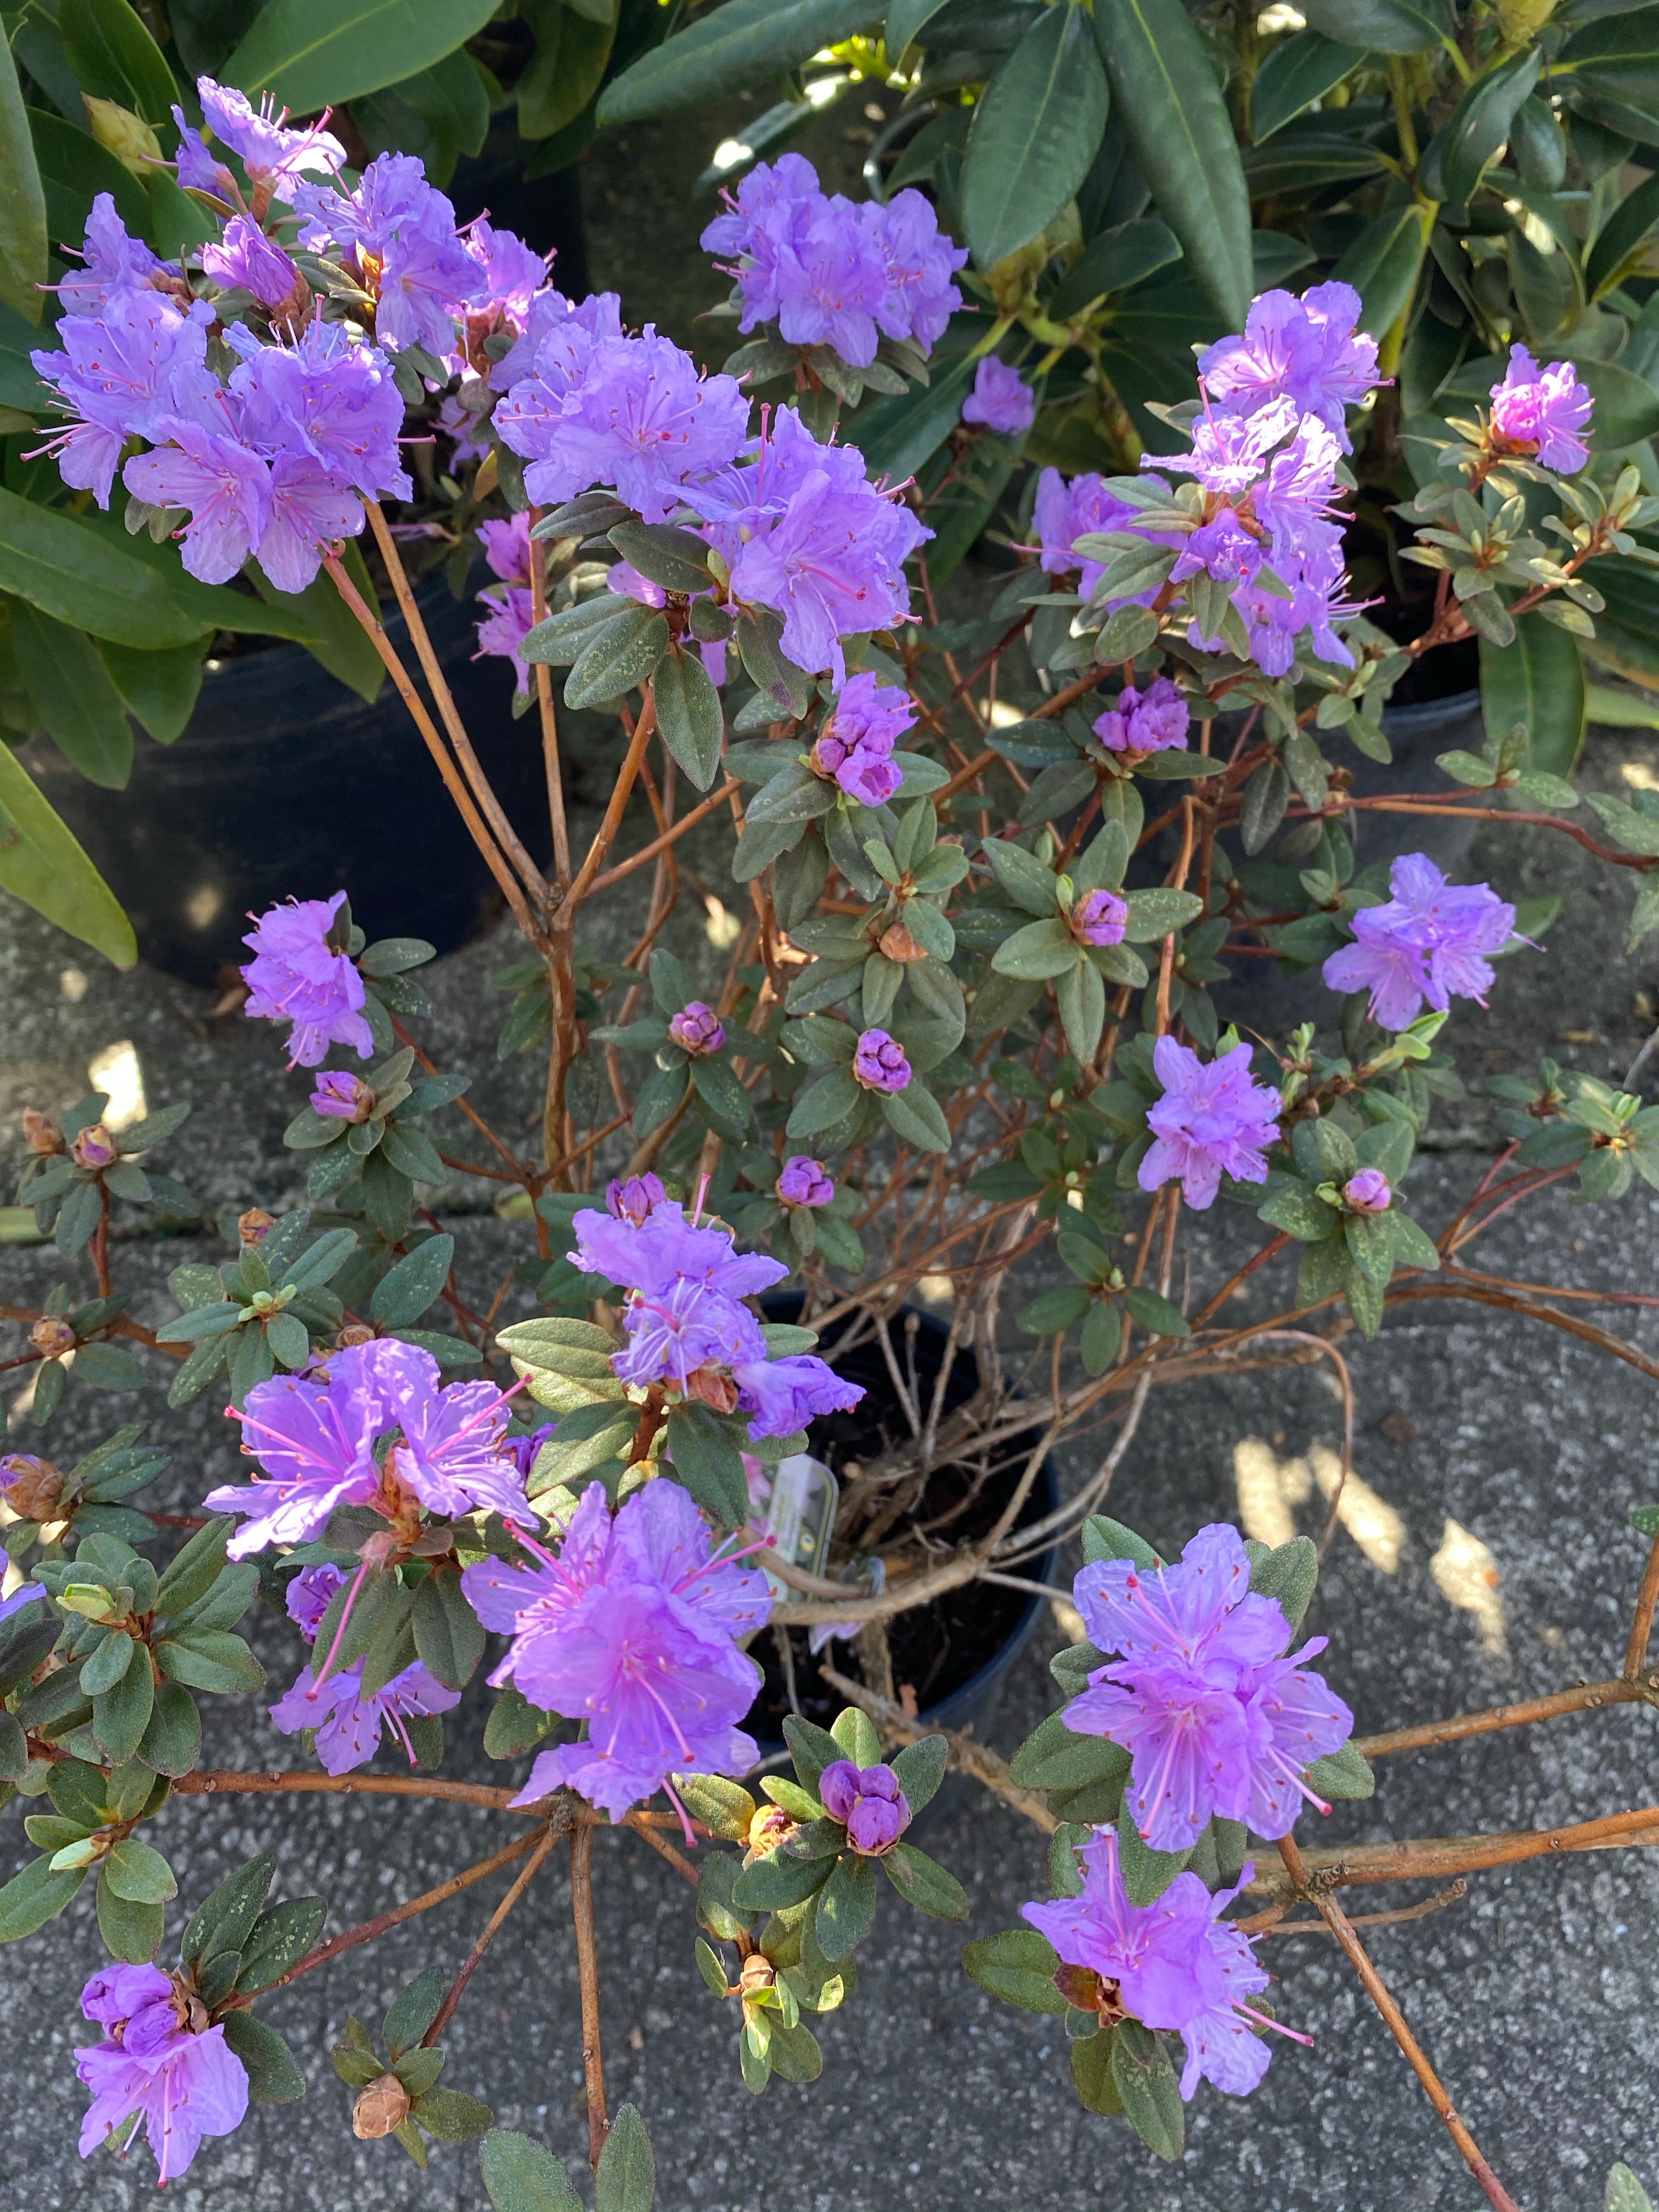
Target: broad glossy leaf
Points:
(1539, 682)
(42, 864)
(309, 54)
(22, 202)
(1035, 133)
(735, 46)
(1298, 72)
(1481, 123)
(87, 578)
(114, 57)
(75, 696)
(161, 688)
(1383, 264)
(1383, 26)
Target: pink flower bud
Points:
(1367, 1192)
(879, 1063)
(697, 1029)
(1099, 918)
(94, 1148)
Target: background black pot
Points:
(956, 1652)
(285, 781)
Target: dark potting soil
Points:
(936, 1647)
(1398, 596)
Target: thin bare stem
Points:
(1636, 1650)
(587, 1970)
(549, 719)
(486, 1936)
(1586, 1698)
(1454, 1893)
(613, 812)
(671, 836)
(1332, 1914)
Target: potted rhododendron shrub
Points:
(696, 1436)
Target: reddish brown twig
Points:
(1332, 1914)
(1636, 1650)
(486, 1935)
(587, 1971)
(1620, 1691)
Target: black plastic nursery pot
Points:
(955, 1653)
(286, 783)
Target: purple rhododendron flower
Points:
(225, 489)
(198, 170)
(1216, 1718)
(150, 2072)
(1306, 350)
(245, 257)
(632, 1628)
(309, 1596)
(349, 1721)
(25, 1593)
(129, 370)
(507, 547)
(295, 976)
(685, 1283)
(342, 1096)
(111, 261)
(1177, 1966)
(920, 260)
(697, 1029)
(1100, 918)
(1213, 1120)
(804, 1181)
(504, 629)
(1430, 941)
(1546, 408)
(631, 1201)
(868, 1802)
(855, 746)
(1065, 512)
(879, 1062)
(1001, 399)
(1367, 1192)
(328, 397)
(315, 1438)
(781, 1397)
(523, 1450)
(514, 273)
(267, 150)
(1154, 720)
(397, 232)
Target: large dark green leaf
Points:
(43, 864)
(312, 53)
(689, 713)
(1035, 133)
(1621, 244)
(897, 436)
(1383, 26)
(906, 20)
(160, 688)
(74, 169)
(439, 113)
(74, 694)
(1301, 71)
(1537, 681)
(1172, 112)
(22, 202)
(571, 51)
(1480, 123)
(734, 46)
(114, 57)
(88, 577)
(1627, 405)
(1383, 264)
(1616, 57)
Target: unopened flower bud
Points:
(124, 134)
(757, 1974)
(342, 1097)
(1099, 918)
(697, 1029)
(94, 1148)
(868, 1799)
(771, 1827)
(897, 943)
(1367, 1192)
(51, 1338)
(710, 1388)
(355, 1332)
(804, 1181)
(40, 1132)
(34, 1487)
(382, 2106)
(255, 1225)
(1082, 1987)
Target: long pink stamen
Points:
(728, 1559)
(396, 1720)
(1312, 1797)
(489, 1412)
(358, 1581)
(1262, 2019)
(673, 1796)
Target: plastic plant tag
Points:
(800, 1514)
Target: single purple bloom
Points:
(127, 371)
(631, 1628)
(1100, 918)
(641, 420)
(507, 547)
(1546, 408)
(868, 1802)
(266, 149)
(1065, 512)
(1215, 1718)
(326, 396)
(1295, 500)
(451, 1453)
(524, 1448)
(833, 283)
(1000, 399)
(25, 1593)
(804, 1181)
(683, 1326)
(1222, 548)
(514, 273)
(314, 1440)
(309, 1596)
(1367, 1192)
(296, 977)
(111, 261)
(633, 1200)
(1176, 1965)
(1306, 350)
(225, 489)
(684, 1283)
(398, 233)
(245, 257)
(342, 1097)
(920, 260)
(697, 1029)
(549, 358)
(854, 748)
(1154, 720)
(1430, 941)
(151, 2072)
(1230, 452)
(879, 1062)
(196, 168)
(310, 511)
(781, 1397)
(504, 629)
(1212, 1120)
(349, 1722)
